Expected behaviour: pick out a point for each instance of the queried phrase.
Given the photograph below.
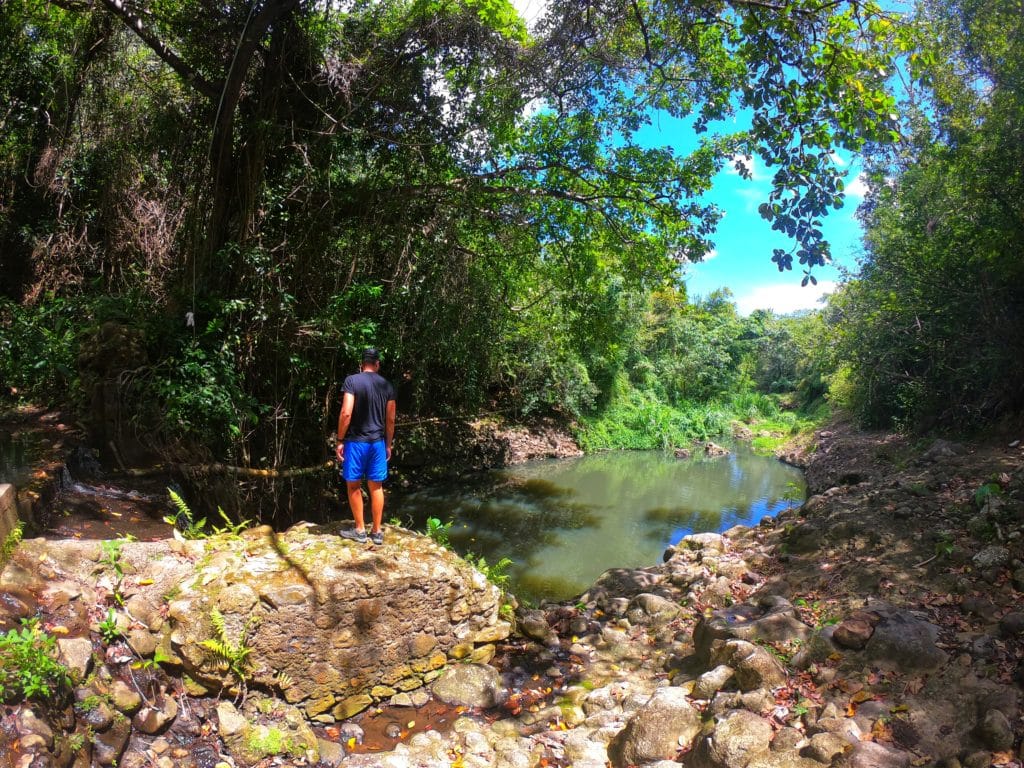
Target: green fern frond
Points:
(180, 504)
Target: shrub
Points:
(29, 668)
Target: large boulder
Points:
(739, 737)
(657, 730)
(771, 618)
(470, 685)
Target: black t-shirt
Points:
(372, 393)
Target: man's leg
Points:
(355, 502)
(376, 504)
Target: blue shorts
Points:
(365, 460)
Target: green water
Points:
(565, 522)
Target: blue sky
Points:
(741, 260)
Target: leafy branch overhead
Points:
(454, 109)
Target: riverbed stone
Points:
(656, 731)
(712, 681)
(995, 731)
(470, 685)
(738, 738)
(754, 666)
(771, 618)
(870, 754)
(76, 653)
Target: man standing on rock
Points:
(366, 428)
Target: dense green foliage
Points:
(300, 179)
(931, 331)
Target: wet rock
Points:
(15, 605)
(29, 724)
(534, 625)
(109, 745)
(155, 716)
(657, 730)
(739, 737)
(713, 449)
(470, 685)
(1012, 625)
(98, 715)
(332, 755)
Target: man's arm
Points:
(389, 426)
(348, 402)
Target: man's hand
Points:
(387, 448)
(341, 452)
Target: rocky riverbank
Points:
(879, 625)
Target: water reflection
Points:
(17, 452)
(565, 522)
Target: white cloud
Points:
(710, 255)
(858, 187)
(783, 298)
(530, 10)
(837, 159)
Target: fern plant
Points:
(497, 573)
(232, 656)
(187, 527)
(183, 521)
(438, 531)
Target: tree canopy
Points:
(301, 177)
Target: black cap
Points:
(371, 355)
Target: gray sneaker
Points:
(377, 538)
(353, 535)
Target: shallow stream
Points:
(564, 522)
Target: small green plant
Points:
(438, 531)
(183, 521)
(496, 574)
(11, 542)
(944, 545)
(272, 741)
(984, 492)
(112, 553)
(232, 656)
(159, 657)
(230, 529)
(187, 527)
(29, 668)
(109, 630)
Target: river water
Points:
(564, 522)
